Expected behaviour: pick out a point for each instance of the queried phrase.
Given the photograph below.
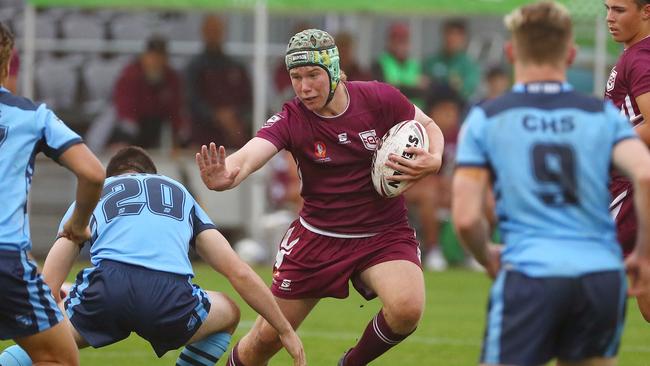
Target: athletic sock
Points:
(375, 341)
(205, 352)
(15, 356)
(233, 359)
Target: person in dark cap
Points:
(452, 64)
(148, 94)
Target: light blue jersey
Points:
(25, 130)
(549, 150)
(146, 220)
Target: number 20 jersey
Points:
(146, 220)
(549, 150)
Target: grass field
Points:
(449, 334)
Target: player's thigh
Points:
(596, 361)
(222, 317)
(398, 284)
(55, 344)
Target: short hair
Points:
(130, 159)
(541, 32)
(157, 43)
(455, 24)
(6, 48)
(641, 3)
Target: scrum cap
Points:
(314, 47)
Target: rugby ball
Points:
(404, 134)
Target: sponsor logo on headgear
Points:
(299, 57)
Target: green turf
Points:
(449, 334)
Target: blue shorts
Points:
(110, 301)
(26, 306)
(533, 320)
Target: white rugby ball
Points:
(404, 134)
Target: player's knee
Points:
(405, 315)
(56, 358)
(234, 315)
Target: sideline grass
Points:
(449, 335)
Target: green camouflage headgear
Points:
(314, 47)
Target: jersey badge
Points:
(369, 139)
(343, 138)
(320, 150)
(612, 79)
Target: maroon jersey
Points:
(629, 79)
(334, 156)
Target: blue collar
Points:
(542, 87)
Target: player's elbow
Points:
(642, 178)
(95, 176)
(465, 220)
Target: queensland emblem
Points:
(612, 79)
(369, 139)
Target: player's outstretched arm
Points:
(218, 253)
(469, 190)
(58, 264)
(90, 181)
(220, 172)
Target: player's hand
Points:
(75, 232)
(493, 264)
(638, 271)
(293, 345)
(212, 165)
(422, 163)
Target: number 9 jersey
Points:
(549, 151)
(146, 220)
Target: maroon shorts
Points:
(311, 265)
(622, 209)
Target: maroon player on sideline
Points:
(346, 231)
(628, 87)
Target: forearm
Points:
(257, 295)
(436, 139)
(476, 239)
(642, 206)
(58, 263)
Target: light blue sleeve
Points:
(622, 127)
(200, 221)
(57, 136)
(471, 149)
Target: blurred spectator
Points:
(348, 60)
(11, 82)
(431, 195)
(395, 67)
(451, 64)
(147, 95)
(219, 92)
(497, 82)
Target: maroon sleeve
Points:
(276, 129)
(125, 94)
(395, 103)
(639, 77)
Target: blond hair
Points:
(6, 47)
(541, 32)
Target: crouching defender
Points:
(141, 276)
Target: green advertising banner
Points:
(397, 7)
